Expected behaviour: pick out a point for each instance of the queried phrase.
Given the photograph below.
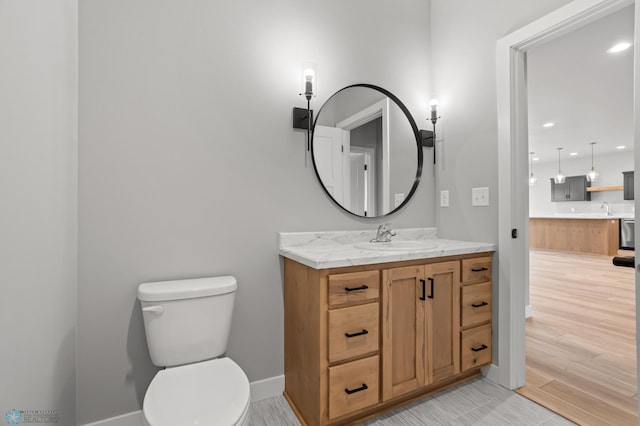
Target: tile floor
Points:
(478, 402)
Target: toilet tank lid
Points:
(186, 289)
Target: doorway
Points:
(513, 161)
(580, 334)
(353, 159)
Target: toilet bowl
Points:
(187, 325)
(211, 393)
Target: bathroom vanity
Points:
(369, 329)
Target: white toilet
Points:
(187, 324)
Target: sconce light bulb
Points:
(434, 111)
(309, 76)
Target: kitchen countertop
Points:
(322, 250)
(583, 216)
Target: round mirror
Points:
(366, 150)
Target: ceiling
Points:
(588, 93)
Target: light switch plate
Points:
(444, 198)
(480, 196)
(398, 199)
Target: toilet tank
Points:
(187, 320)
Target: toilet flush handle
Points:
(156, 309)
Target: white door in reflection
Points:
(331, 154)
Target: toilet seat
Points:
(211, 393)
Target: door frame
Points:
(379, 109)
(513, 153)
(369, 155)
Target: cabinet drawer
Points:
(353, 331)
(476, 269)
(353, 386)
(476, 347)
(476, 304)
(354, 287)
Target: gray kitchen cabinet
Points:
(628, 185)
(574, 188)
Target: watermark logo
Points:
(13, 417)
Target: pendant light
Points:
(559, 178)
(592, 176)
(532, 178)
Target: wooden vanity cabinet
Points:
(420, 326)
(475, 321)
(365, 339)
(404, 364)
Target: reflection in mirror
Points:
(366, 151)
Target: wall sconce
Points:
(428, 137)
(303, 118)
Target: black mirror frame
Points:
(416, 134)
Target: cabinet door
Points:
(628, 185)
(558, 191)
(577, 188)
(574, 188)
(403, 331)
(443, 320)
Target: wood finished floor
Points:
(580, 341)
(478, 402)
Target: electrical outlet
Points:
(480, 196)
(444, 198)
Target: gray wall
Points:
(189, 166)
(38, 165)
(369, 135)
(463, 37)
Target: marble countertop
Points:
(322, 250)
(583, 216)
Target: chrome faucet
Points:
(384, 234)
(607, 209)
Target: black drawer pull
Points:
(430, 296)
(481, 348)
(360, 333)
(479, 305)
(363, 287)
(424, 291)
(361, 388)
(479, 269)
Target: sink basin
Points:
(406, 245)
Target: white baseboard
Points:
(492, 373)
(129, 419)
(261, 389)
(528, 311)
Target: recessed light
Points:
(549, 124)
(536, 158)
(619, 47)
(573, 154)
(621, 147)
